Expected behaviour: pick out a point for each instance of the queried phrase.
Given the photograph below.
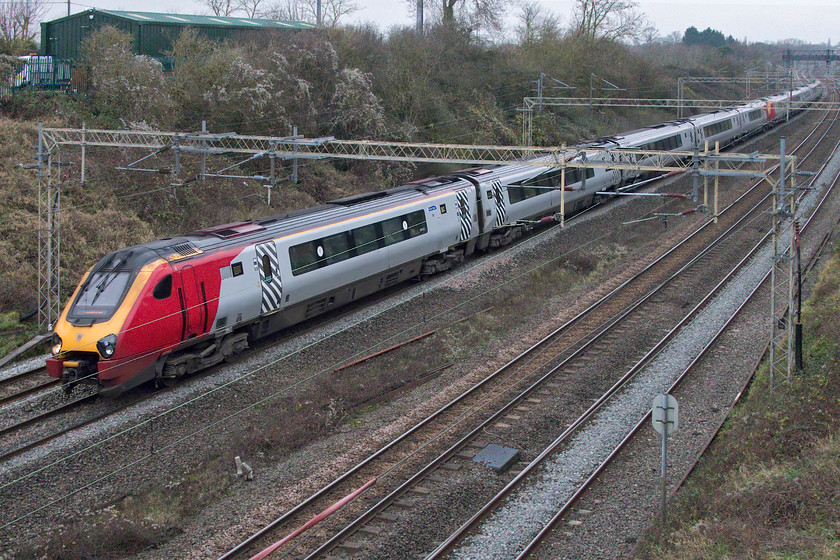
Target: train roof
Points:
(239, 234)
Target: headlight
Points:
(56, 340)
(107, 345)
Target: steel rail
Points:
(45, 415)
(26, 392)
(536, 347)
(535, 542)
(20, 375)
(566, 507)
(87, 422)
(449, 544)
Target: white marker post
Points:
(664, 414)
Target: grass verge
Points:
(769, 487)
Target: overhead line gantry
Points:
(704, 163)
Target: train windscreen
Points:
(100, 297)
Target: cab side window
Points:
(163, 289)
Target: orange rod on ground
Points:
(314, 521)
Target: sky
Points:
(754, 20)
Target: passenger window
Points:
(393, 230)
(164, 288)
(336, 248)
(365, 239)
(303, 258)
(416, 223)
(553, 179)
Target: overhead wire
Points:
(288, 388)
(276, 394)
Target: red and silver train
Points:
(167, 308)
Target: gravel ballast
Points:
(514, 524)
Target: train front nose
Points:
(85, 337)
(74, 362)
(84, 361)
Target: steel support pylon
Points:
(781, 276)
(49, 234)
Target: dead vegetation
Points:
(770, 487)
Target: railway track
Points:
(675, 390)
(24, 384)
(12, 444)
(375, 469)
(536, 468)
(51, 386)
(597, 323)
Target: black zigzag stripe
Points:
(272, 292)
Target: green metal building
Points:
(153, 33)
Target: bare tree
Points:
(474, 14)
(306, 10)
(648, 35)
(611, 20)
(292, 10)
(19, 21)
(536, 24)
(334, 10)
(250, 8)
(222, 7)
(673, 38)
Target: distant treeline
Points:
(708, 37)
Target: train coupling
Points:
(72, 373)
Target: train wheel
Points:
(168, 382)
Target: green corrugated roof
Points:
(208, 21)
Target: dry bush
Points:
(357, 113)
(264, 88)
(8, 64)
(488, 123)
(821, 313)
(129, 87)
(103, 536)
(18, 228)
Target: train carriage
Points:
(166, 308)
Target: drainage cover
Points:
(497, 457)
